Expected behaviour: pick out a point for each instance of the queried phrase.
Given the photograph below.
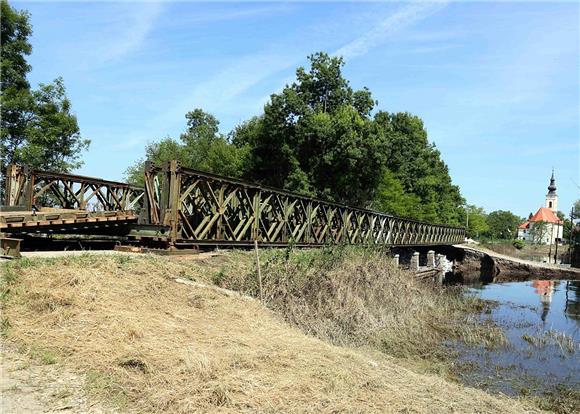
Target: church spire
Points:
(552, 186)
(552, 197)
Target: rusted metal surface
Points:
(54, 220)
(209, 209)
(31, 189)
(187, 208)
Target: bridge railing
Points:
(30, 188)
(207, 208)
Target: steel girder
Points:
(28, 188)
(205, 208)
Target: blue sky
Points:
(497, 83)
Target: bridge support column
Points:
(414, 266)
(396, 260)
(430, 258)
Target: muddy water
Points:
(541, 320)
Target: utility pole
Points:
(570, 235)
(551, 238)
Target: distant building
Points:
(544, 227)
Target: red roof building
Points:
(552, 232)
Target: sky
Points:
(496, 83)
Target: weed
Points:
(44, 356)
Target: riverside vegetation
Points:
(338, 330)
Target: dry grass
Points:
(149, 344)
(356, 297)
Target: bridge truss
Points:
(182, 206)
(205, 208)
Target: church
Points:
(532, 232)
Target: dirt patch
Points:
(28, 385)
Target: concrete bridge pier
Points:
(430, 258)
(396, 260)
(414, 265)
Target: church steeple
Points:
(552, 197)
(552, 186)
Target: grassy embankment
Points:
(149, 344)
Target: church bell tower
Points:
(552, 197)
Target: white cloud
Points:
(131, 33)
(405, 16)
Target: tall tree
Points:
(502, 224)
(201, 147)
(418, 165)
(38, 127)
(539, 232)
(476, 221)
(316, 137)
(15, 96)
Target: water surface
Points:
(541, 320)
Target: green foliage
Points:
(477, 221)
(317, 137)
(201, 147)
(567, 224)
(392, 198)
(418, 165)
(37, 127)
(518, 244)
(538, 232)
(576, 210)
(502, 224)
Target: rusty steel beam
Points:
(30, 188)
(188, 207)
(204, 208)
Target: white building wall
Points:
(553, 232)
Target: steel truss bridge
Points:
(182, 207)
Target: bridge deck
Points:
(62, 220)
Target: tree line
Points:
(502, 225)
(319, 137)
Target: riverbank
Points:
(480, 264)
(151, 334)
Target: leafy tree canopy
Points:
(37, 127)
(476, 221)
(319, 137)
(201, 147)
(503, 224)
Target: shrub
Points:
(518, 244)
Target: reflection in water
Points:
(545, 289)
(572, 306)
(544, 351)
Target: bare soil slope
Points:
(146, 343)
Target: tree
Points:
(566, 225)
(477, 221)
(576, 210)
(201, 147)
(538, 232)
(15, 97)
(38, 127)
(418, 165)
(316, 137)
(392, 198)
(502, 224)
